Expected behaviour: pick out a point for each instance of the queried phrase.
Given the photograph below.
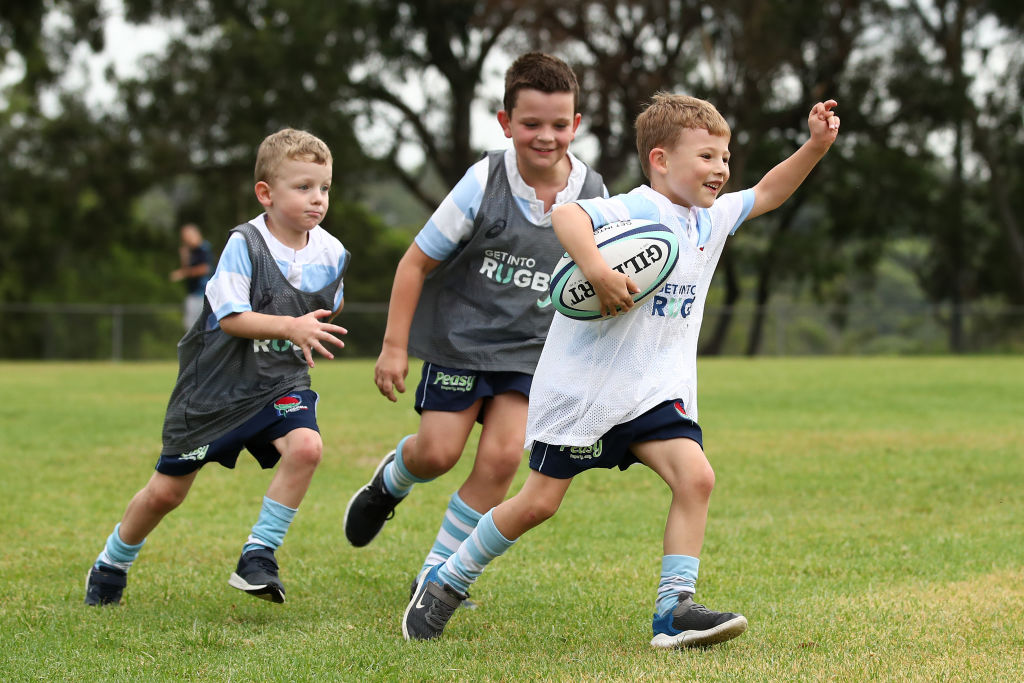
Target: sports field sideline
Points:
(868, 519)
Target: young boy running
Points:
(624, 389)
(470, 298)
(243, 377)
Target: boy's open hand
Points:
(390, 371)
(614, 290)
(309, 334)
(823, 123)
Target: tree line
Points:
(927, 172)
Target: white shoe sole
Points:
(718, 634)
(264, 592)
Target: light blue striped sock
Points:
(678, 575)
(270, 527)
(398, 480)
(118, 554)
(476, 552)
(459, 521)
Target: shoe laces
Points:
(380, 499)
(439, 613)
(265, 563)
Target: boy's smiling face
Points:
(541, 126)
(296, 198)
(692, 171)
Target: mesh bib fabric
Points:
(487, 306)
(225, 380)
(595, 375)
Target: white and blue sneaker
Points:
(693, 625)
(430, 608)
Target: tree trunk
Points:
(714, 346)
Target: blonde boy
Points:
(243, 377)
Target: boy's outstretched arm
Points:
(779, 183)
(306, 332)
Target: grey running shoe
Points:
(693, 625)
(370, 508)
(431, 607)
(257, 575)
(466, 604)
(104, 585)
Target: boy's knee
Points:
(433, 460)
(501, 465)
(305, 449)
(163, 497)
(540, 511)
(702, 480)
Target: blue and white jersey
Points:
(452, 222)
(308, 269)
(595, 375)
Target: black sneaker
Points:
(257, 575)
(431, 607)
(370, 508)
(693, 625)
(104, 585)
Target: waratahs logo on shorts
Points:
(585, 452)
(289, 404)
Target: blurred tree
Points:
(43, 57)
(413, 89)
(954, 34)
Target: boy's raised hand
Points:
(823, 123)
(309, 334)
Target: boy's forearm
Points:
(575, 231)
(779, 183)
(406, 289)
(252, 325)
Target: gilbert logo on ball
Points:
(644, 250)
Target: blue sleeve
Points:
(748, 204)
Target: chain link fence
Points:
(151, 332)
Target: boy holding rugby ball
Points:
(624, 389)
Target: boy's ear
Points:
(505, 120)
(263, 194)
(656, 160)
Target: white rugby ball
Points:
(644, 250)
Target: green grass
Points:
(868, 520)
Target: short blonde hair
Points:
(666, 116)
(289, 143)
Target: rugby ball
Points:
(644, 250)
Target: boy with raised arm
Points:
(243, 378)
(470, 298)
(624, 389)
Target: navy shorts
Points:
(451, 390)
(280, 416)
(667, 420)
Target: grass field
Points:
(868, 520)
